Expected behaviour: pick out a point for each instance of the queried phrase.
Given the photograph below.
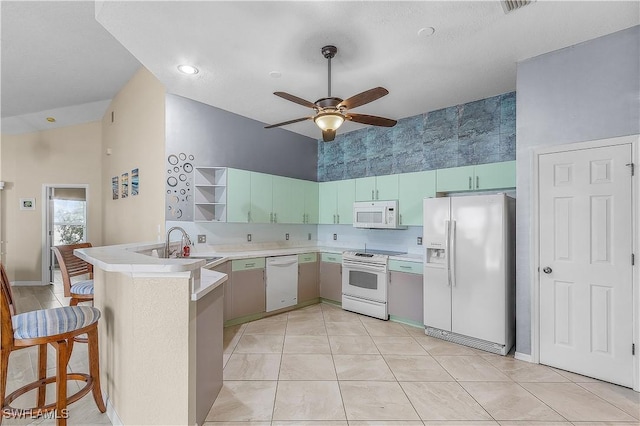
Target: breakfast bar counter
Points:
(160, 334)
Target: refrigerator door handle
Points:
(452, 253)
(447, 250)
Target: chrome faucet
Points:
(185, 241)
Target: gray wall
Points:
(585, 92)
(201, 135)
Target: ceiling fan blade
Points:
(371, 119)
(287, 122)
(328, 135)
(364, 97)
(295, 99)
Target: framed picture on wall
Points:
(115, 189)
(135, 182)
(124, 193)
(27, 203)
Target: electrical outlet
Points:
(248, 237)
(202, 238)
(309, 237)
(419, 241)
(286, 236)
(335, 237)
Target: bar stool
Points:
(57, 326)
(72, 266)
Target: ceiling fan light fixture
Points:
(331, 120)
(188, 69)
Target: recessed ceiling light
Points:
(426, 31)
(188, 69)
(275, 74)
(51, 119)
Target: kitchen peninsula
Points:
(160, 334)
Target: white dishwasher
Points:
(282, 282)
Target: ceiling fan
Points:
(331, 112)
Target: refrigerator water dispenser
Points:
(435, 257)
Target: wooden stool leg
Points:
(62, 358)
(42, 373)
(94, 368)
(4, 366)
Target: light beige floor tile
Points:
(345, 328)
(309, 423)
(442, 347)
(398, 345)
(266, 326)
(624, 398)
(306, 345)
(308, 400)
(306, 328)
(376, 327)
(231, 336)
(244, 401)
(463, 423)
(443, 401)
(236, 424)
(310, 313)
(606, 423)
(575, 403)
(352, 345)
(531, 423)
(521, 371)
(336, 314)
(362, 367)
(508, 401)
(576, 378)
(385, 423)
(382, 401)
(252, 367)
(413, 330)
(417, 368)
(260, 343)
(471, 369)
(225, 359)
(307, 367)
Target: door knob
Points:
(547, 270)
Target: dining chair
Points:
(58, 327)
(72, 266)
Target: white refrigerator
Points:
(469, 270)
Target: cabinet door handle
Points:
(271, 217)
(405, 267)
(477, 182)
(372, 195)
(469, 182)
(377, 197)
(249, 216)
(334, 218)
(338, 219)
(400, 217)
(275, 218)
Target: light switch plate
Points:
(419, 241)
(202, 238)
(286, 236)
(335, 237)
(248, 237)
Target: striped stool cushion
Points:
(50, 322)
(82, 287)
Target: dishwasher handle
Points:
(282, 263)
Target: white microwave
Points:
(376, 214)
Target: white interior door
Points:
(586, 295)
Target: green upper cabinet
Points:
(311, 198)
(496, 175)
(377, 188)
(238, 195)
(346, 196)
(261, 197)
(282, 200)
(480, 177)
(336, 201)
(412, 189)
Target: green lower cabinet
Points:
(412, 189)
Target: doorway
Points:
(65, 219)
(585, 242)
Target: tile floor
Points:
(324, 366)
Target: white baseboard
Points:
(113, 416)
(523, 357)
(27, 283)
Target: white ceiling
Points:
(472, 55)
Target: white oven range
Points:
(365, 282)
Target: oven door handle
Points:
(356, 266)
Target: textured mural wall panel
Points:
(477, 132)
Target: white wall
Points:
(584, 92)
